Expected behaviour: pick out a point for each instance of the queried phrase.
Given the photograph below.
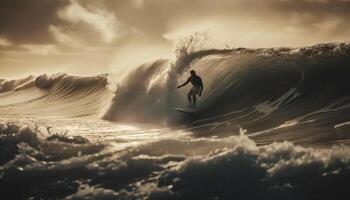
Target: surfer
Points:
(197, 88)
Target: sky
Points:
(89, 37)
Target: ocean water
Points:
(272, 124)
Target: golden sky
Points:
(104, 36)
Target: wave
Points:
(184, 168)
(57, 95)
(258, 106)
(300, 93)
(289, 90)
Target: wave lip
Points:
(9, 85)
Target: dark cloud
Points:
(27, 21)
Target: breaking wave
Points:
(301, 93)
(271, 124)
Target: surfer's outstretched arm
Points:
(188, 80)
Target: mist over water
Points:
(272, 124)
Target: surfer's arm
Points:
(188, 80)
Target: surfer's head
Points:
(193, 73)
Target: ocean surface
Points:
(271, 124)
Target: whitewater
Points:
(273, 123)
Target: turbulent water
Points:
(271, 124)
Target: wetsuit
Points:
(196, 83)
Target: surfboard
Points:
(186, 110)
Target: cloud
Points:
(138, 3)
(260, 23)
(41, 49)
(5, 42)
(63, 37)
(102, 21)
(27, 21)
(108, 21)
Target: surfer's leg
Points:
(189, 97)
(194, 100)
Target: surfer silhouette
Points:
(197, 88)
